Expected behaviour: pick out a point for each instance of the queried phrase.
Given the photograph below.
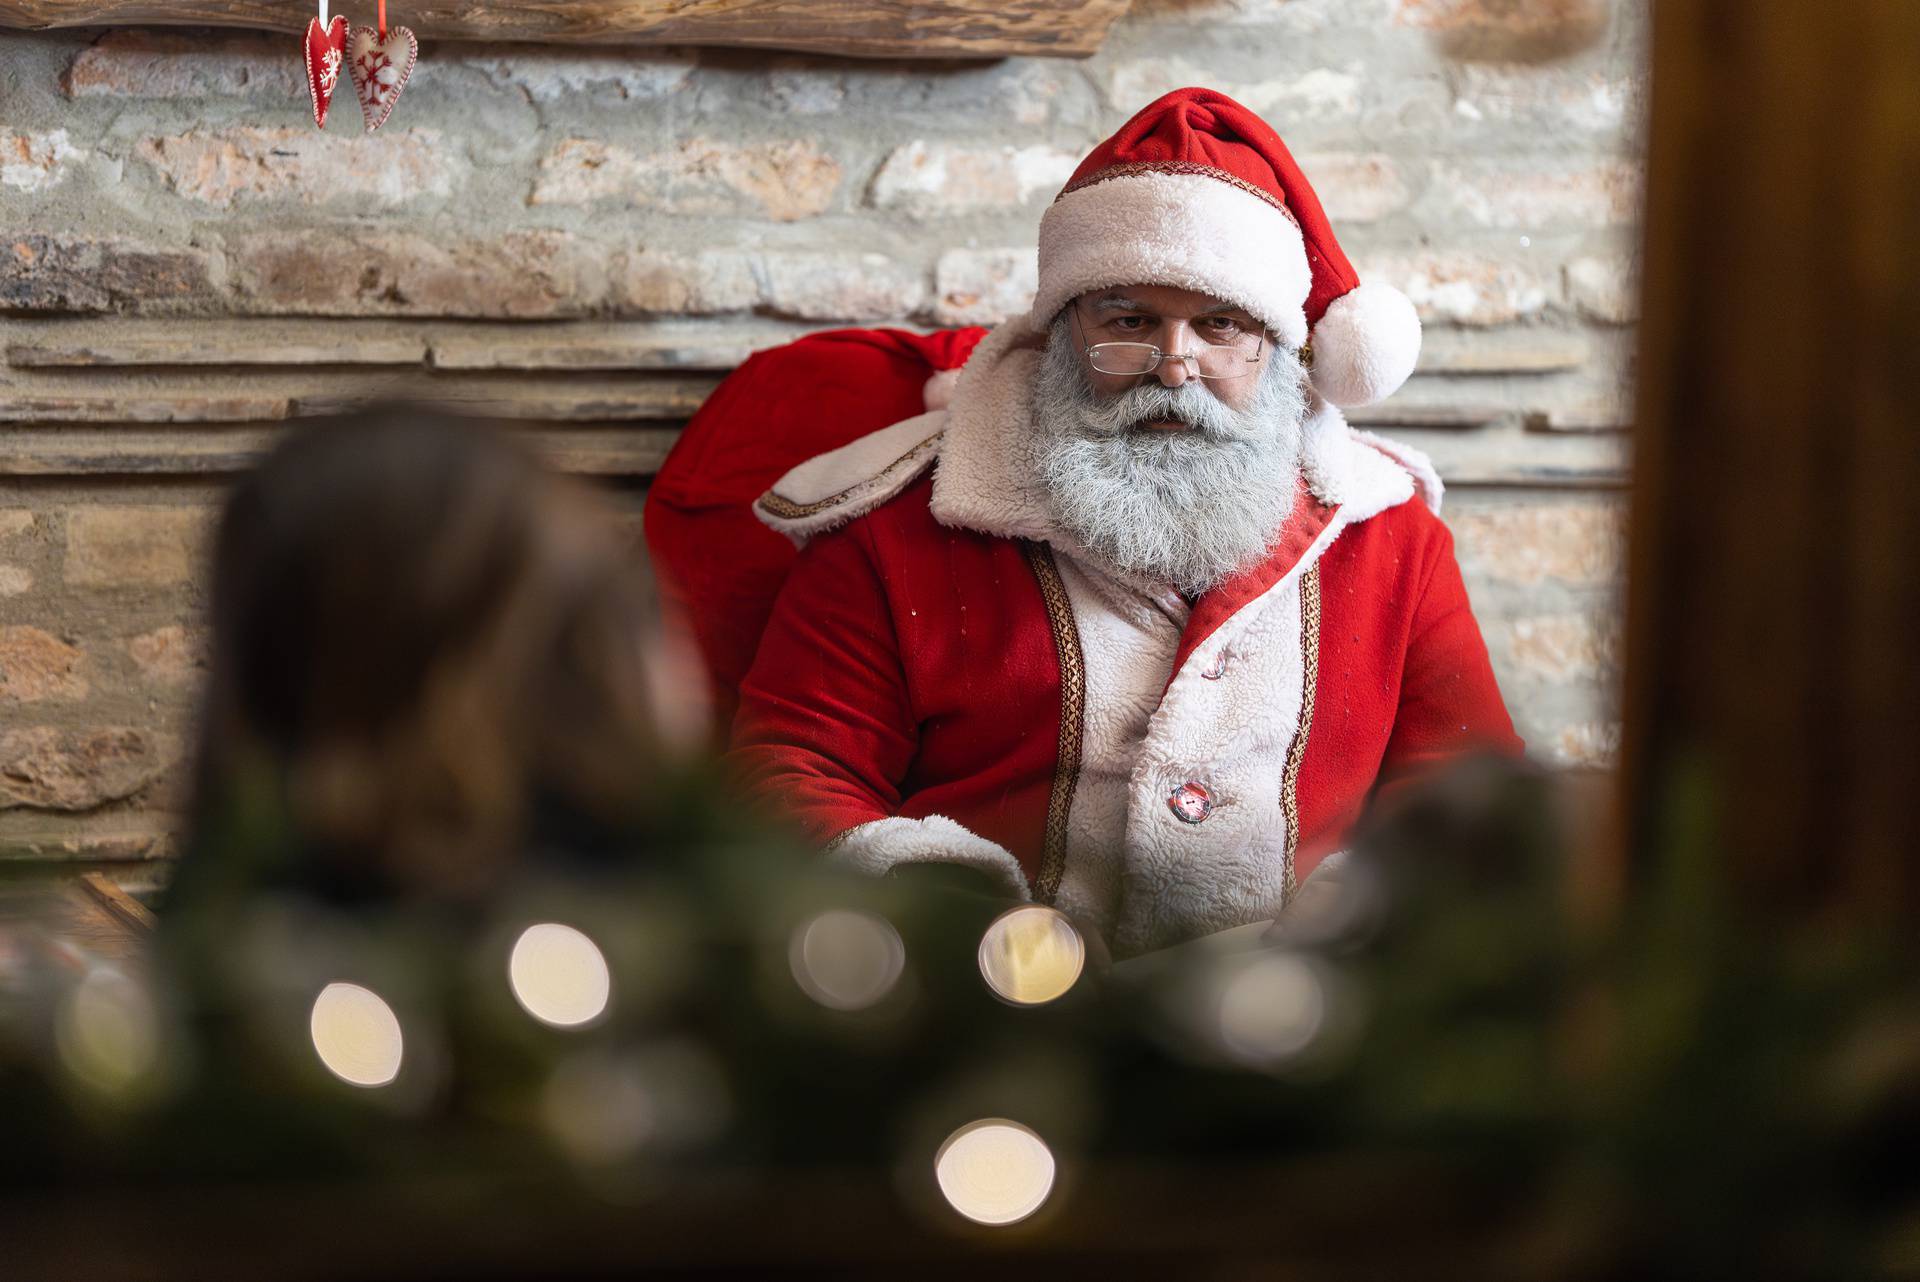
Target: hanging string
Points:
(383, 19)
(323, 14)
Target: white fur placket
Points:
(1231, 736)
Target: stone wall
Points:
(588, 238)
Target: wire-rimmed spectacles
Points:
(1217, 361)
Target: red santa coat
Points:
(948, 676)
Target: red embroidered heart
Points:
(326, 47)
(380, 68)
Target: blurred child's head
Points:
(431, 642)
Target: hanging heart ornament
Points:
(326, 47)
(380, 62)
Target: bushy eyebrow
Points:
(1121, 303)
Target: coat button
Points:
(1217, 669)
(1190, 803)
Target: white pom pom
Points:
(938, 391)
(1365, 345)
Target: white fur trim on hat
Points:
(1190, 231)
(1365, 346)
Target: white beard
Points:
(1187, 508)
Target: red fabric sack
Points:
(718, 568)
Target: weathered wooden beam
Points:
(138, 836)
(855, 28)
(142, 406)
(129, 911)
(134, 343)
(134, 451)
(603, 347)
(1410, 411)
(153, 398)
(171, 347)
(573, 400)
(1521, 350)
(1597, 414)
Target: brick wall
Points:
(589, 238)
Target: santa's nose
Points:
(1174, 369)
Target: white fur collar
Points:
(830, 489)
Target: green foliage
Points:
(1674, 1092)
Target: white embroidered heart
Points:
(322, 49)
(380, 69)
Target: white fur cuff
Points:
(884, 844)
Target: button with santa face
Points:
(1190, 802)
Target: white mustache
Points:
(1156, 402)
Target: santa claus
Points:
(1133, 623)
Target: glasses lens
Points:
(1227, 361)
(1123, 358)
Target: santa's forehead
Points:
(1158, 298)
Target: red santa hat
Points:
(1198, 192)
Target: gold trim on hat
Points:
(1132, 168)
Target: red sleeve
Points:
(1449, 701)
(825, 730)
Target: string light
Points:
(356, 1035)
(1271, 1009)
(559, 976)
(1031, 955)
(846, 960)
(108, 1032)
(599, 1109)
(994, 1171)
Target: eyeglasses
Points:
(1218, 361)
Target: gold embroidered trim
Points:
(1309, 683)
(1176, 167)
(786, 509)
(1073, 704)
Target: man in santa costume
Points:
(1134, 623)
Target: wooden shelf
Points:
(854, 28)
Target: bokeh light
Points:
(1337, 907)
(1271, 1009)
(1031, 955)
(559, 976)
(598, 1108)
(846, 960)
(658, 1100)
(994, 1171)
(107, 1031)
(356, 1035)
